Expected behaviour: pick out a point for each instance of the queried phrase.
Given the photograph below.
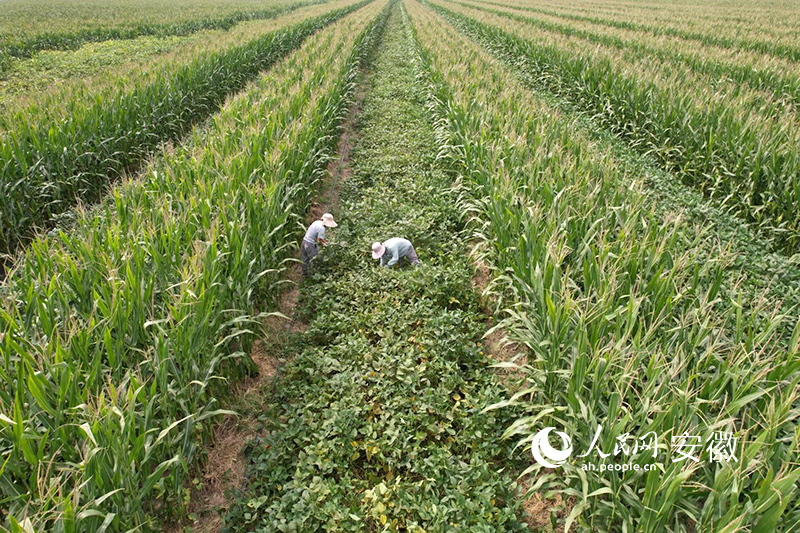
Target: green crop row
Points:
(761, 108)
(776, 81)
(786, 51)
(48, 167)
(70, 41)
(120, 338)
(627, 320)
(712, 149)
(54, 86)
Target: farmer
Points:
(393, 251)
(314, 234)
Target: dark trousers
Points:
(411, 256)
(308, 251)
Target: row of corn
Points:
(629, 324)
(758, 86)
(715, 29)
(49, 164)
(29, 101)
(720, 145)
(121, 337)
(27, 47)
(780, 80)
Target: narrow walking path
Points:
(377, 423)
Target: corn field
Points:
(724, 145)
(119, 336)
(632, 322)
(26, 47)
(49, 166)
(604, 196)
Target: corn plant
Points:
(747, 165)
(710, 78)
(783, 85)
(782, 50)
(24, 21)
(121, 337)
(48, 167)
(30, 96)
(27, 47)
(626, 322)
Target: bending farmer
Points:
(393, 251)
(315, 233)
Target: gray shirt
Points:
(315, 231)
(396, 248)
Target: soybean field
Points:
(603, 334)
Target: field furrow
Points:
(376, 423)
(121, 336)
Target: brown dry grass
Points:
(497, 346)
(538, 509)
(481, 277)
(226, 465)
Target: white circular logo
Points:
(546, 455)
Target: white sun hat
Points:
(327, 221)
(378, 250)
